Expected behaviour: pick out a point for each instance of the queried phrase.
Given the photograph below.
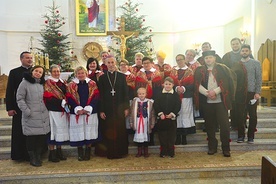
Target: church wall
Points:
(22, 19)
(265, 23)
(177, 43)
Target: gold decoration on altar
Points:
(92, 49)
(39, 58)
(123, 36)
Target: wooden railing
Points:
(3, 86)
(269, 91)
(268, 171)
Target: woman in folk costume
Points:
(83, 97)
(151, 79)
(184, 86)
(130, 77)
(94, 70)
(142, 120)
(130, 80)
(190, 55)
(55, 101)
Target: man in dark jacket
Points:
(18, 145)
(215, 85)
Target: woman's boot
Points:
(178, 139)
(146, 151)
(139, 153)
(60, 155)
(184, 140)
(38, 153)
(33, 160)
(87, 153)
(80, 154)
(52, 156)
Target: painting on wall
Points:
(91, 17)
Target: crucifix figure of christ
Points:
(123, 36)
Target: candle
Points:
(36, 59)
(41, 61)
(47, 62)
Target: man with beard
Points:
(251, 82)
(229, 59)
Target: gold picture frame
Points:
(91, 17)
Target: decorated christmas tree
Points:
(134, 23)
(54, 41)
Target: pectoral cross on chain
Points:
(113, 92)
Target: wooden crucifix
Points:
(123, 35)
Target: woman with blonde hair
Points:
(83, 96)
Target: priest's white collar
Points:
(26, 67)
(76, 80)
(183, 68)
(55, 80)
(151, 70)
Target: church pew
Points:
(268, 175)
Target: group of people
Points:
(106, 101)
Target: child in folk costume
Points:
(142, 120)
(151, 79)
(166, 106)
(83, 97)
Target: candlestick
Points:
(36, 59)
(41, 60)
(47, 64)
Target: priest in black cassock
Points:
(18, 145)
(114, 107)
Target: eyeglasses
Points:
(180, 60)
